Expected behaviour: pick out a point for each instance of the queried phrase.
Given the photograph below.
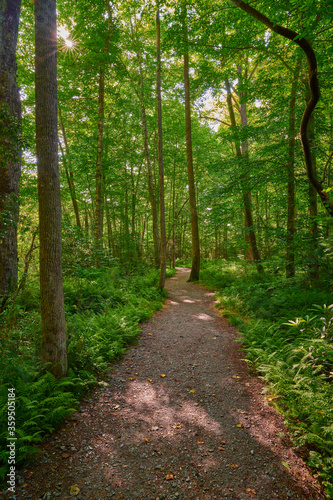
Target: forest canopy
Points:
(138, 135)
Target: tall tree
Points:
(54, 351)
(195, 269)
(160, 150)
(245, 190)
(100, 136)
(10, 149)
(290, 250)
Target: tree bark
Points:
(10, 144)
(290, 250)
(194, 276)
(313, 205)
(161, 282)
(245, 190)
(69, 172)
(100, 136)
(154, 209)
(99, 168)
(54, 352)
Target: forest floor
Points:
(180, 417)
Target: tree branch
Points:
(305, 45)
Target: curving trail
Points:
(181, 418)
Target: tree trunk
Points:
(69, 172)
(194, 276)
(313, 204)
(161, 282)
(54, 352)
(290, 250)
(10, 147)
(245, 191)
(99, 156)
(154, 209)
(99, 168)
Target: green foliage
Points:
(295, 357)
(104, 307)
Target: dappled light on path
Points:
(181, 418)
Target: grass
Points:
(287, 332)
(104, 307)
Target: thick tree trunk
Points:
(194, 276)
(160, 152)
(54, 351)
(290, 250)
(10, 147)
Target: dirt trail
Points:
(181, 418)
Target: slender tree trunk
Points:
(161, 282)
(246, 192)
(313, 203)
(10, 147)
(100, 136)
(154, 209)
(69, 171)
(290, 250)
(194, 276)
(54, 350)
(99, 167)
(109, 225)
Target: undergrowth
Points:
(286, 329)
(104, 307)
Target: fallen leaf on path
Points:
(192, 390)
(155, 428)
(241, 411)
(162, 375)
(251, 491)
(239, 425)
(136, 374)
(234, 466)
(131, 378)
(149, 379)
(287, 466)
(169, 477)
(149, 334)
(146, 440)
(213, 394)
(176, 426)
(74, 490)
(220, 448)
(201, 442)
(214, 337)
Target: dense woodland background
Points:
(209, 161)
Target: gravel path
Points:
(180, 418)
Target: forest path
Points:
(181, 418)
